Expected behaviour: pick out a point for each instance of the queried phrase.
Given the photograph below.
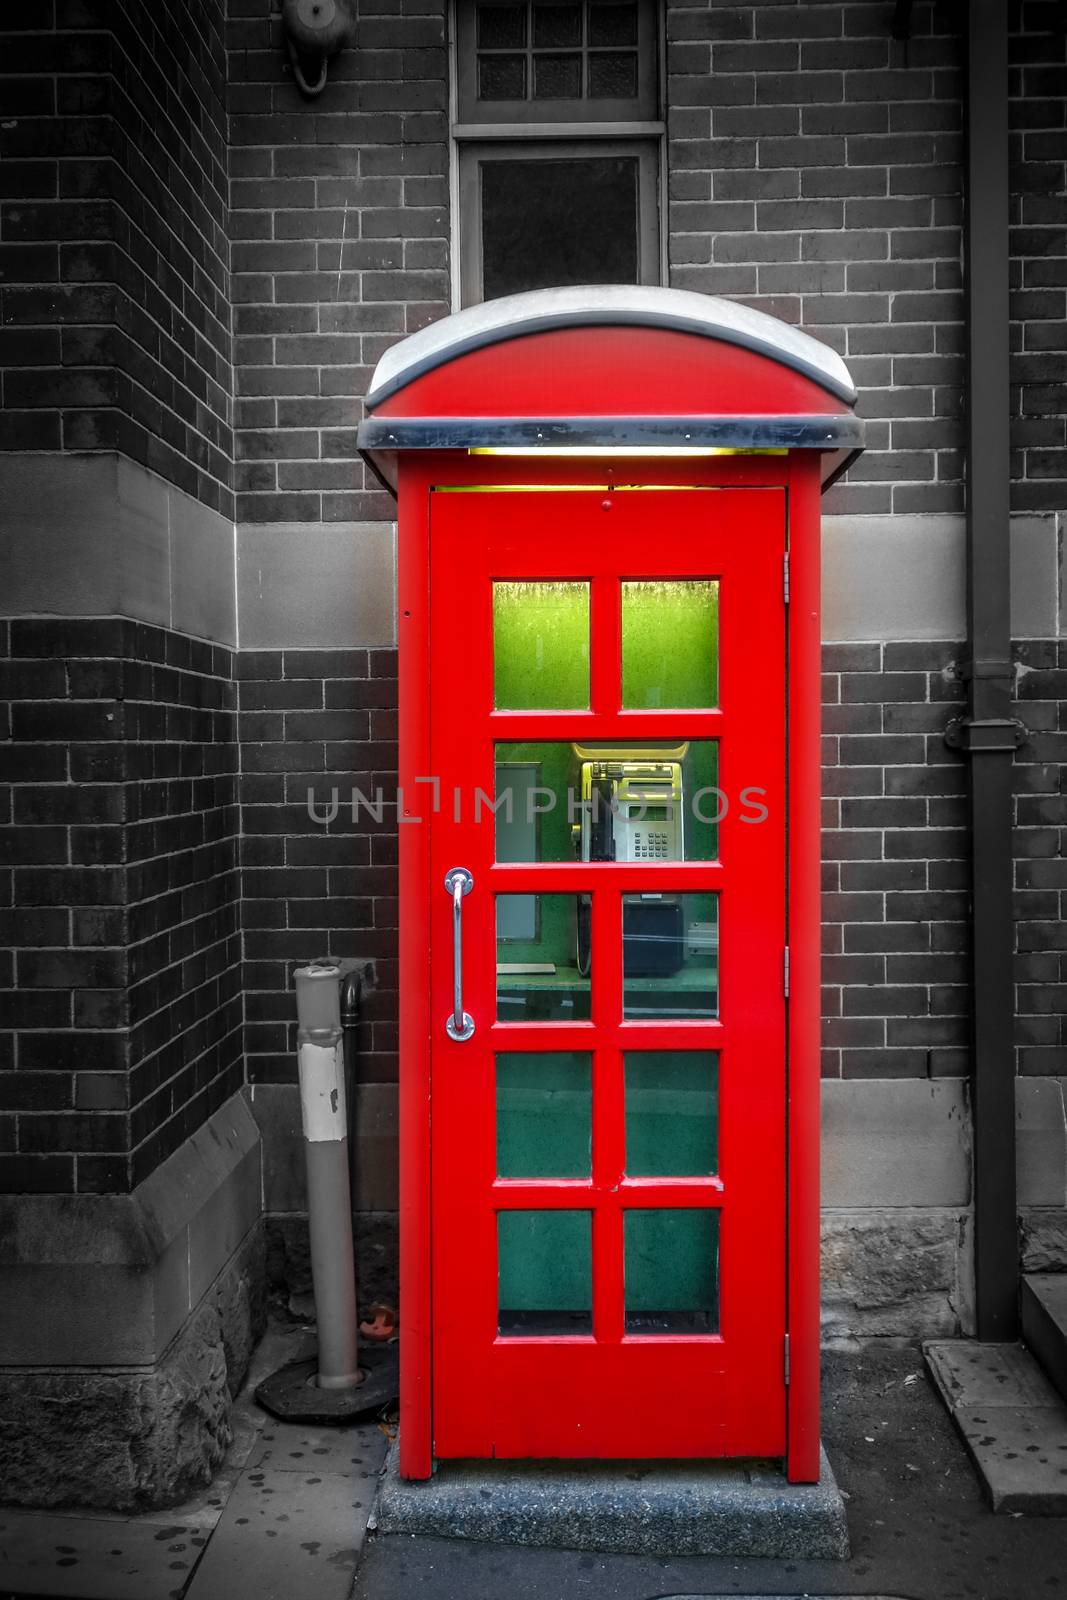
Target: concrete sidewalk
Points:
(919, 1524)
(284, 1518)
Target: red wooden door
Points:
(608, 1146)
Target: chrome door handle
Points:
(460, 1025)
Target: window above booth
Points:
(558, 146)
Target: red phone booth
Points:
(609, 874)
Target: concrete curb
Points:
(705, 1508)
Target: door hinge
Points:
(785, 1360)
(785, 972)
(785, 577)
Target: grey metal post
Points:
(320, 1053)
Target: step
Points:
(1044, 1317)
(649, 1508)
(1011, 1420)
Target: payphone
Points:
(631, 809)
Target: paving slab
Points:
(648, 1508)
(96, 1558)
(355, 1451)
(286, 1535)
(1011, 1420)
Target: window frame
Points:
(469, 142)
(474, 153)
(581, 110)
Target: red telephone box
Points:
(609, 874)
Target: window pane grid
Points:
(557, 52)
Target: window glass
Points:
(576, 52)
(545, 1272)
(654, 801)
(672, 1114)
(552, 222)
(670, 643)
(543, 961)
(541, 646)
(544, 1105)
(671, 1271)
(670, 949)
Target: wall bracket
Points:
(982, 735)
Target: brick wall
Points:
(115, 301)
(1040, 867)
(324, 721)
(1039, 250)
(895, 861)
(340, 246)
(118, 899)
(815, 173)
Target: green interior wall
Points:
(670, 643)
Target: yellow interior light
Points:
(642, 450)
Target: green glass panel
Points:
(669, 956)
(543, 957)
(670, 945)
(672, 1114)
(545, 1272)
(544, 1105)
(670, 642)
(541, 646)
(672, 1271)
(627, 792)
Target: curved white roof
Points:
(607, 305)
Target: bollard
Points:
(320, 1053)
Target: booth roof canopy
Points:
(623, 305)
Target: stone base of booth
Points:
(128, 1327)
(643, 1508)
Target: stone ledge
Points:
(136, 1439)
(109, 1280)
(898, 1273)
(648, 1508)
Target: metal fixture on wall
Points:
(315, 30)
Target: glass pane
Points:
(541, 646)
(501, 77)
(670, 947)
(612, 24)
(557, 27)
(613, 76)
(547, 223)
(501, 27)
(642, 802)
(672, 1271)
(542, 957)
(670, 643)
(545, 1272)
(544, 1108)
(557, 77)
(672, 1113)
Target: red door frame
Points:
(798, 474)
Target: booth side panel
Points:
(413, 632)
(804, 948)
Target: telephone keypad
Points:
(652, 846)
